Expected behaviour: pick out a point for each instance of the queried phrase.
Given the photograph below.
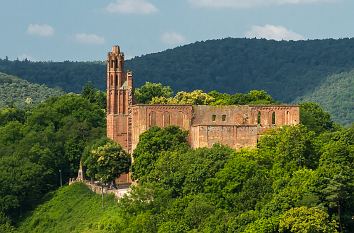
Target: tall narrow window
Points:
(166, 119)
(288, 117)
(223, 117)
(213, 117)
(259, 118)
(273, 118)
(152, 116)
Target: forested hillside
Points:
(69, 76)
(40, 145)
(287, 70)
(296, 181)
(336, 95)
(21, 93)
(299, 177)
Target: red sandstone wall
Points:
(284, 115)
(147, 116)
(231, 135)
(235, 126)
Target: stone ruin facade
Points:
(233, 125)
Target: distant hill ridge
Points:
(21, 93)
(287, 70)
(336, 95)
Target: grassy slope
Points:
(336, 95)
(14, 90)
(71, 209)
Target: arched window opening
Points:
(213, 117)
(259, 118)
(273, 118)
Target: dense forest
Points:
(336, 95)
(23, 94)
(40, 146)
(298, 179)
(287, 70)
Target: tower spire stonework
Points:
(119, 99)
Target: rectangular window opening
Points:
(213, 117)
(223, 117)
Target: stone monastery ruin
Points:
(234, 126)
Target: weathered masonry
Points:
(235, 126)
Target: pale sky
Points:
(86, 29)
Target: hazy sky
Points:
(86, 29)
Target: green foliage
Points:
(152, 143)
(198, 97)
(336, 95)
(36, 144)
(298, 179)
(15, 92)
(240, 184)
(314, 118)
(306, 220)
(107, 161)
(93, 95)
(149, 91)
(67, 75)
(295, 181)
(11, 114)
(311, 70)
(74, 209)
(251, 98)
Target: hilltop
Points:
(21, 93)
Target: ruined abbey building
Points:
(234, 126)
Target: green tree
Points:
(94, 95)
(152, 143)
(336, 181)
(314, 118)
(11, 114)
(196, 97)
(106, 161)
(148, 91)
(306, 220)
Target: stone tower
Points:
(119, 99)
